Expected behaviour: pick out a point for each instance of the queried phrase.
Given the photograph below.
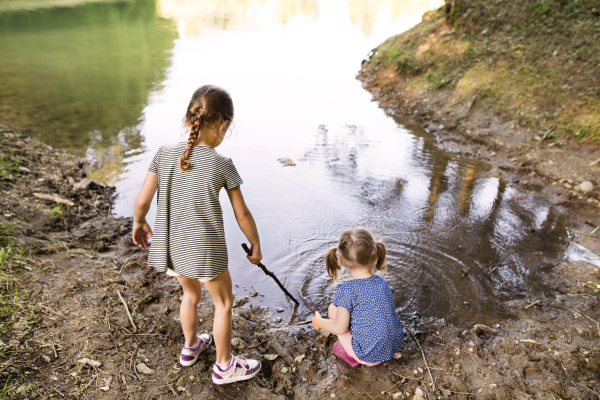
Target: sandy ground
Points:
(61, 305)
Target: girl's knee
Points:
(192, 296)
(225, 303)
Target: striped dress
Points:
(189, 238)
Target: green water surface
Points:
(80, 77)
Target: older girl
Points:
(189, 240)
(362, 313)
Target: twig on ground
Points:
(424, 359)
(51, 310)
(535, 302)
(580, 386)
(128, 313)
(257, 345)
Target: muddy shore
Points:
(66, 332)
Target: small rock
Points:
(181, 389)
(397, 395)
(73, 374)
(415, 372)
(493, 385)
(107, 384)
(397, 356)
(586, 186)
(456, 366)
(46, 358)
(92, 363)
(419, 392)
(286, 161)
(82, 184)
(238, 343)
(191, 377)
(485, 330)
(279, 309)
(144, 369)
(271, 357)
(22, 390)
(441, 127)
(513, 160)
(299, 359)
(420, 370)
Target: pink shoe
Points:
(339, 351)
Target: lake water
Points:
(112, 81)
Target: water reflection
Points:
(460, 242)
(113, 79)
(81, 76)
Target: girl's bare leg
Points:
(188, 312)
(331, 311)
(222, 294)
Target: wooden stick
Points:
(424, 359)
(595, 162)
(272, 275)
(128, 313)
(282, 352)
(54, 198)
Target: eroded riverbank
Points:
(61, 304)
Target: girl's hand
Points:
(140, 233)
(256, 255)
(315, 320)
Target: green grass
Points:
(542, 55)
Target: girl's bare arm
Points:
(246, 222)
(141, 229)
(337, 326)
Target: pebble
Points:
(419, 392)
(279, 309)
(22, 390)
(420, 370)
(441, 127)
(397, 356)
(181, 389)
(144, 369)
(93, 363)
(586, 186)
(271, 357)
(238, 343)
(397, 395)
(46, 358)
(82, 184)
(286, 161)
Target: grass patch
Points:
(533, 62)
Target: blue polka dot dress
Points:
(377, 332)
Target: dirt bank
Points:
(64, 267)
(514, 83)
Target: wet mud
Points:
(69, 265)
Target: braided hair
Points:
(210, 106)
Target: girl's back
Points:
(189, 221)
(374, 324)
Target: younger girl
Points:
(189, 240)
(362, 313)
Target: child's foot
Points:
(339, 351)
(238, 369)
(189, 355)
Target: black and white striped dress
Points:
(189, 238)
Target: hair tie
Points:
(188, 148)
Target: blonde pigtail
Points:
(332, 263)
(381, 256)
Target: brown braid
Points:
(210, 106)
